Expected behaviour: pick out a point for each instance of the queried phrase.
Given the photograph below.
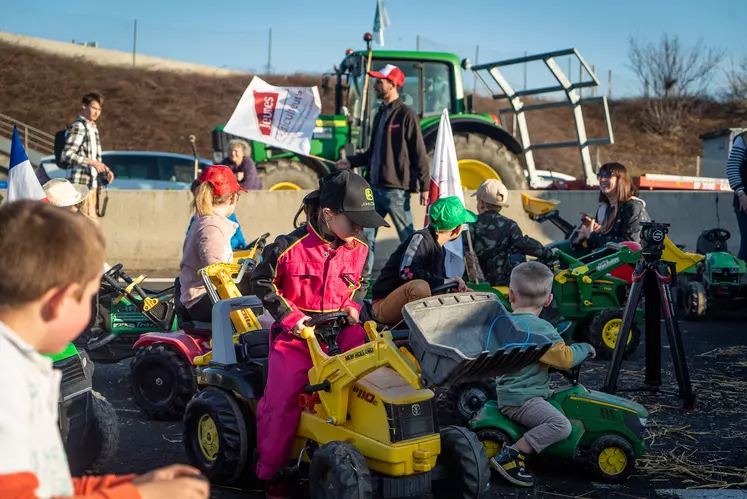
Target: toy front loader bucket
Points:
(675, 255)
(466, 337)
(536, 207)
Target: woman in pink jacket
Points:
(317, 268)
(209, 238)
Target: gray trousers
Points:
(546, 424)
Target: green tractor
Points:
(433, 82)
(717, 281)
(88, 422)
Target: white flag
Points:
(283, 117)
(445, 182)
(381, 22)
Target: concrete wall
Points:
(145, 230)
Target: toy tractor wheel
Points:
(338, 471)
(162, 381)
(695, 301)
(463, 455)
(612, 458)
(460, 403)
(604, 329)
(105, 433)
(217, 437)
(287, 175)
(492, 442)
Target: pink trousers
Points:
(278, 411)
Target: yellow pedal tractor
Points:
(368, 422)
(162, 375)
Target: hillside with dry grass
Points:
(158, 110)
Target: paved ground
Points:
(705, 447)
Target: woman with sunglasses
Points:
(619, 214)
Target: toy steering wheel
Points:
(445, 287)
(717, 235)
(113, 272)
(335, 322)
(327, 318)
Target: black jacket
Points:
(418, 257)
(625, 227)
(404, 160)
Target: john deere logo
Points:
(369, 195)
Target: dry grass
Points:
(158, 110)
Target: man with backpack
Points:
(78, 148)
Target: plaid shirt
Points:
(82, 144)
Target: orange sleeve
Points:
(560, 356)
(24, 485)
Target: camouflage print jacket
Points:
(495, 238)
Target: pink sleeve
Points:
(211, 245)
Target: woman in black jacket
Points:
(619, 214)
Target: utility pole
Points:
(134, 43)
(594, 89)
(417, 43)
(609, 85)
(474, 77)
(269, 53)
(580, 79)
(525, 71)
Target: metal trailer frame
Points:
(572, 100)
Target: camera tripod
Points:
(653, 279)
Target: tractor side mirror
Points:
(325, 86)
(468, 103)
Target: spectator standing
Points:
(736, 172)
(240, 162)
(82, 152)
(396, 158)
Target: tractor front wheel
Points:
(612, 458)
(462, 454)
(217, 436)
(492, 442)
(604, 329)
(287, 175)
(695, 301)
(162, 381)
(460, 403)
(339, 471)
(481, 158)
(104, 435)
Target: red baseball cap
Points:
(222, 178)
(391, 73)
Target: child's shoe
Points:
(510, 464)
(277, 490)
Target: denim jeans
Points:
(396, 203)
(742, 223)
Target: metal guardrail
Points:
(31, 137)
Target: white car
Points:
(138, 170)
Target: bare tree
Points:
(736, 78)
(671, 77)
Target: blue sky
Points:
(312, 36)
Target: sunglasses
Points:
(605, 175)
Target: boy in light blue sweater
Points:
(522, 396)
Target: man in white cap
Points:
(61, 192)
(396, 157)
(496, 237)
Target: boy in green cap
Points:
(417, 265)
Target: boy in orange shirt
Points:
(50, 268)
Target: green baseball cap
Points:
(449, 213)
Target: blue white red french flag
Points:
(22, 182)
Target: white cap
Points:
(60, 192)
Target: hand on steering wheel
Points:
(449, 286)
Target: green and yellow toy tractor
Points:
(607, 431)
(368, 421)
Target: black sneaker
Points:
(510, 464)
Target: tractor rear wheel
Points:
(481, 158)
(162, 381)
(604, 329)
(493, 441)
(339, 471)
(218, 439)
(287, 175)
(462, 454)
(694, 301)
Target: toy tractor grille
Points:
(409, 421)
(72, 370)
(607, 413)
(730, 276)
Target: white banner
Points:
(283, 117)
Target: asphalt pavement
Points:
(712, 433)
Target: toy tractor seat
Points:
(468, 337)
(713, 240)
(255, 345)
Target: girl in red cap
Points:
(317, 268)
(209, 238)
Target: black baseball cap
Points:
(349, 193)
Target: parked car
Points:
(144, 170)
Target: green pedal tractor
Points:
(88, 423)
(719, 281)
(607, 431)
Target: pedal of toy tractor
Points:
(467, 337)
